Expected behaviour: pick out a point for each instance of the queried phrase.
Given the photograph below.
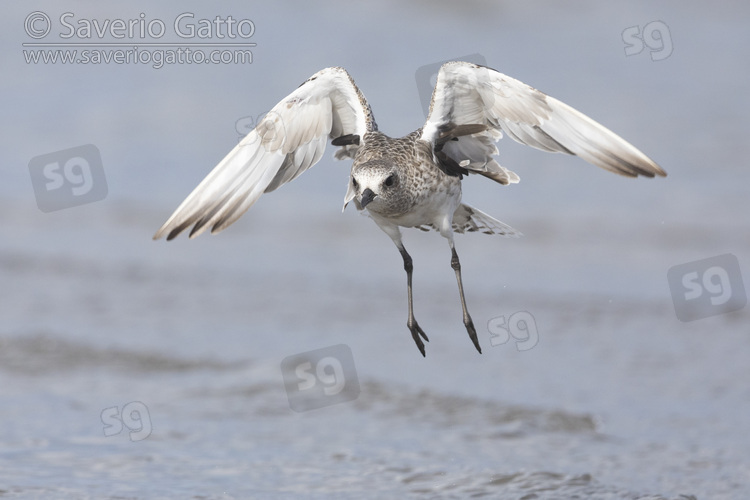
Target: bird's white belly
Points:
(435, 209)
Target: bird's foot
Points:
(416, 331)
(472, 333)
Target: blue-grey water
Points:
(138, 369)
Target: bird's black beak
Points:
(367, 197)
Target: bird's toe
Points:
(416, 332)
(473, 334)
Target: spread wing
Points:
(473, 105)
(289, 140)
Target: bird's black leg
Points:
(415, 329)
(456, 265)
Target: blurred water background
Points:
(618, 398)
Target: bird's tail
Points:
(470, 219)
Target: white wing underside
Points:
(466, 94)
(290, 139)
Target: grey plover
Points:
(413, 181)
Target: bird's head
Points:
(376, 185)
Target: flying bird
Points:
(413, 181)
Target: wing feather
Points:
(291, 138)
(467, 93)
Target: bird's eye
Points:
(355, 183)
(390, 180)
